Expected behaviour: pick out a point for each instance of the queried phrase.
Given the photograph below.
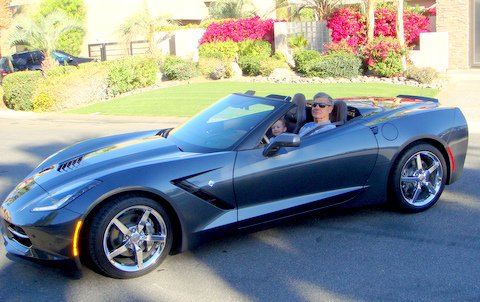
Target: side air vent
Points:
(208, 197)
(69, 165)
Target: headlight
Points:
(63, 197)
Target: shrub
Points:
(79, 87)
(349, 25)
(18, 88)
(302, 59)
(1, 96)
(250, 65)
(268, 65)
(425, 75)
(297, 42)
(335, 64)
(129, 73)
(342, 46)
(255, 48)
(60, 70)
(279, 57)
(175, 68)
(215, 69)
(226, 50)
(239, 30)
(390, 67)
(383, 56)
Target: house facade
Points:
(461, 20)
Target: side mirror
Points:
(283, 140)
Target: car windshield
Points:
(224, 124)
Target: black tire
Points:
(418, 178)
(129, 237)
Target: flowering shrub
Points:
(239, 30)
(431, 11)
(349, 25)
(341, 46)
(414, 25)
(383, 56)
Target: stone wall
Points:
(454, 17)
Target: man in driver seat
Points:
(322, 106)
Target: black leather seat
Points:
(338, 116)
(297, 116)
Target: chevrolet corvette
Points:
(123, 203)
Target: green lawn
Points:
(188, 99)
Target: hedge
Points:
(77, 88)
(18, 88)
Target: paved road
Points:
(369, 254)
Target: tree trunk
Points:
(370, 20)
(400, 31)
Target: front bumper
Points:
(52, 241)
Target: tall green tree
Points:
(71, 41)
(42, 34)
(225, 9)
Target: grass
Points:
(188, 99)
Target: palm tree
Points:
(42, 34)
(225, 9)
(321, 8)
(143, 24)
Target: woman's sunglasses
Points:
(321, 105)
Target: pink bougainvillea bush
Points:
(383, 56)
(239, 30)
(348, 24)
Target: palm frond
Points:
(42, 34)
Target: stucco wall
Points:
(453, 17)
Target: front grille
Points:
(70, 164)
(18, 234)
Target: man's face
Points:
(319, 113)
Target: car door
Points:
(327, 168)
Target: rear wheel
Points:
(129, 237)
(418, 178)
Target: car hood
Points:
(93, 158)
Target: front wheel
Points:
(129, 237)
(419, 178)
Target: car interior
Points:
(301, 113)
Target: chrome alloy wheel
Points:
(421, 178)
(135, 238)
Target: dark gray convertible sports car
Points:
(124, 202)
